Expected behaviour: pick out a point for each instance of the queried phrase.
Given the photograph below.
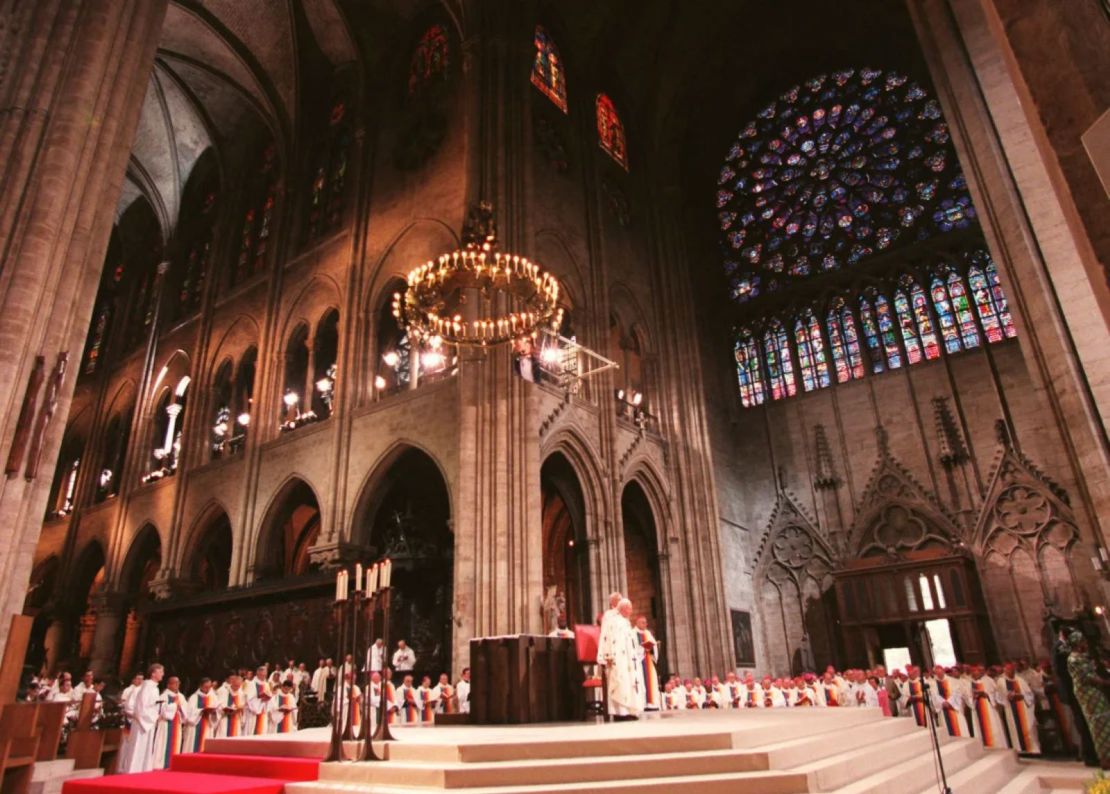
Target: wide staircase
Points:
(847, 751)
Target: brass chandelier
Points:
(477, 296)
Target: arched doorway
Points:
(566, 562)
(210, 567)
(44, 578)
(405, 514)
(290, 530)
(89, 581)
(641, 555)
(141, 566)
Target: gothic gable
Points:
(792, 548)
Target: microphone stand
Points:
(938, 759)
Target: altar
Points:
(524, 678)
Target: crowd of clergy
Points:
(1001, 705)
(160, 720)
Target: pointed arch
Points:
(291, 525)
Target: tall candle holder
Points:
(385, 596)
(356, 604)
(368, 753)
(335, 748)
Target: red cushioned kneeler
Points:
(174, 783)
(298, 769)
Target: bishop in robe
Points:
(147, 706)
(988, 724)
(623, 675)
(408, 702)
(1018, 702)
(429, 699)
(913, 696)
(446, 694)
(947, 701)
(352, 707)
(169, 734)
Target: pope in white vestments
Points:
(624, 684)
(145, 717)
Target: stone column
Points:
(105, 646)
(54, 642)
(72, 84)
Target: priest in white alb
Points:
(145, 711)
(626, 700)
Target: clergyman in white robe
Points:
(147, 705)
(624, 686)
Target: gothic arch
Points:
(372, 484)
(275, 554)
(241, 334)
(583, 459)
(212, 512)
(792, 579)
(897, 514)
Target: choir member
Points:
(428, 698)
(233, 699)
(202, 717)
(145, 716)
(408, 702)
(446, 694)
(259, 695)
(169, 733)
(283, 709)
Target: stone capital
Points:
(334, 553)
(167, 584)
(107, 602)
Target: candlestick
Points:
(338, 577)
(358, 576)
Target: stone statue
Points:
(550, 609)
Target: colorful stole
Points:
(234, 701)
(173, 731)
(387, 702)
(429, 706)
(1020, 714)
(447, 697)
(260, 719)
(734, 696)
(286, 724)
(951, 721)
(751, 696)
(412, 711)
(832, 696)
(651, 677)
(982, 712)
(917, 702)
(355, 708)
(200, 736)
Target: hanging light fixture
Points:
(478, 296)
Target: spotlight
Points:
(244, 419)
(620, 394)
(379, 383)
(290, 398)
(550, 354)
(323, 385)
(637, 398)
(391, 358)
(432, 360)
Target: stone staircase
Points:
(849, 751)
(49, 776)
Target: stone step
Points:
(811, 748)
(993, 770)
(837, 771)
(911, 774)
(47, 770)
(1040, 777)
(764, 782)
(54, 785)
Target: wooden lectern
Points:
(524, 678)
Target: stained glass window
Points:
(946, 319)
(547, 69)
(198, 219)
(99, 331)
(962, 308)
(610, 131)
(844, 342)
(747, 370)
(811, 353)
(257, 218)
(780, 369)
(909, 332)
(429, 59)
(329, 180)
(999, 297)
(887, 332)
(842, 166)
(924, 321)
(996, 325)
(871, 334)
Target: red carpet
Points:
(207, 773)
(248, 765)
(175, 783)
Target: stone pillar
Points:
(54, 642)
(104, 656)
(72, 83)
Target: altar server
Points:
(170, 730)
(145, 717)
(988, 724)
(1018, 701)
(947, 701)
(202, 717)
(283, 709)
(126, 705)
